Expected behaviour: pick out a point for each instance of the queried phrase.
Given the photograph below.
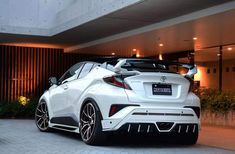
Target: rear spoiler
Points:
(125, 63)
(192, 70)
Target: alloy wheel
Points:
(87, 121)
(42, 117)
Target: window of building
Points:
(214, 70)
(233, 69)
(207, 62)
(228, 59)
(208, 71)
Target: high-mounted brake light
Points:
(117, 81)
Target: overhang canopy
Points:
(138, 24)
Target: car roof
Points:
(102, 59)
(111, 58)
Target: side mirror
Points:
(52, 81)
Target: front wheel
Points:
(42, 117)
(90, 124)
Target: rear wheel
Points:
(42, 117)
(90, 124)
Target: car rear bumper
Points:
(150, 128)
(140, 119)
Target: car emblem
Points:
(163, 79)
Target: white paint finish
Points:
(61, 101)
(142, 87)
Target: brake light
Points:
(117, 81)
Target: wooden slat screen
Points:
(25, 70)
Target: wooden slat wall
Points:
(25, 70)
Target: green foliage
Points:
(17, 110)
(216, 101)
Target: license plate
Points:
(161, 89)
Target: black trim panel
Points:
(64, 121)
(119, 107)
(196, 109)
(150, 128)
(162, 114)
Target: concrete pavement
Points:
(217, 137)
(22, 137)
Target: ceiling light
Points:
(229, 49)
(134, 50)
(195, 38)
(160, 45)
(113, 53)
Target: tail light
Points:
(117, 81)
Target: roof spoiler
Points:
(192, 68)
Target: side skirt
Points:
(65, 120)
(64, 127)
(65, 123)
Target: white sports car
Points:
(129, 95)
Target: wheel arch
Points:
(89, 99)
(45, 98)
(42, 115)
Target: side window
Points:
(85, 70)
(74, 70)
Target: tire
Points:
(90, 124)
(42, 117)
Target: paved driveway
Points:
(22, 137)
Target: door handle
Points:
(65, 87)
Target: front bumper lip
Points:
(136, 115)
